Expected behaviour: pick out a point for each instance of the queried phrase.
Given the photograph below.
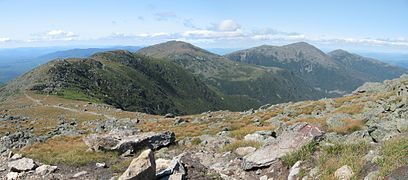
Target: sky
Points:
(366, 25)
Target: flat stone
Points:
(45, 169)
(21, 165)
(125, 143)
(292, 139)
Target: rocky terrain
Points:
(362, 135)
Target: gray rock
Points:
(374, 175)
(370, 87)
(142, 167)
(45, 169)
(129, 143)
(242, 151)
(79, 174)
(292, 139)
(402, 125)
(294, 171)
(15, 157)
(397, 174)
(260, 136)
(176, 176)
(12, 176)
(21, 165)
(169, 115)
(344, 173)
(174, 167)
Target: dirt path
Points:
(38, 102)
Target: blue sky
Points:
(369, 25)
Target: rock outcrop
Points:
(142, 167)
(289, 141)
(129, 142)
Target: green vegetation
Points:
(75, 94)
(304, 153)
(337, 155)
(394, 155)
(196, 141)
(70, 151)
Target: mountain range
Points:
(180, 78)
(335, 73)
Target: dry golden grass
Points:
(65, 150)
(340, 101)
(350, 126)
(350, 109)
(394, 155)
(309, 106)
(337, 155)
(272, 113)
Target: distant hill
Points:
(123, 79)
(262, 84)
(335, 73)
(15, 62)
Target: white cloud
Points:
(54, 35)
(228, 25)
(4, 39)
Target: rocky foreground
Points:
(363, 135)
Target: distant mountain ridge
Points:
(180, 78)
(263, 84)
(334, 73)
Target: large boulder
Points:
(142, 167)
(123, 142)
(292, 139)
(21, 165)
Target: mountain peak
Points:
(339, 52)
(300, 45)
(176, 48)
